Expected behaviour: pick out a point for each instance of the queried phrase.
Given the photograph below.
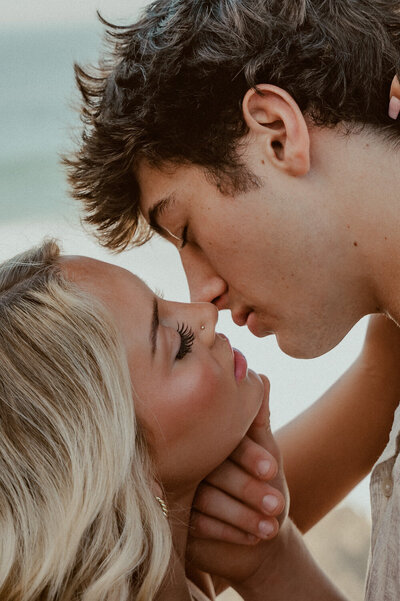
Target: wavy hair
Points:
(171, 86)
(78, 519)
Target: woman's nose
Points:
(204, 320)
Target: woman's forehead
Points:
(99, 277)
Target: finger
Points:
(260, 430)
(394, 107)
(214, 503)
(254, 459)
(206, 527)
(394, 104)
(395, 87)
(262, 417)
(249, 490)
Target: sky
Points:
(40, 13)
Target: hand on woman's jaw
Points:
(242, 499)
(254, 467)
(220, 553)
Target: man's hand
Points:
(240, 501)
(281, 568)
(234, 501)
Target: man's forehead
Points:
(153, 180)
(160, 185)
(161, 206)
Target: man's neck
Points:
(362, 172)
(380, 218)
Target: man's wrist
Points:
(289, 572)
(270, 572)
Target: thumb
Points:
(260, 430)
(394, 105)
(395, 87)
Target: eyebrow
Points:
(155, 322)
(157, 209)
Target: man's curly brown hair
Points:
(170, 90)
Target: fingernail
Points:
(394, 107)
(265, 529)
(263, 467)
(270, 502)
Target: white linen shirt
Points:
(196, 593)
(383, 580)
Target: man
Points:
(255, 136)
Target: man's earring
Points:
(202, 327)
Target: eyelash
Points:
(187, 338)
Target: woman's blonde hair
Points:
(78, 519)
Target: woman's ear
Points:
(274, 117)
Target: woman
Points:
(79, 476)
(114, 405)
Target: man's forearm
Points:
(290, 575)
(330, 447)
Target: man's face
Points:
(274, 259)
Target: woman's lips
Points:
(240, 365)
(239, 361)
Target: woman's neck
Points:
(179, 507)
(174, 587)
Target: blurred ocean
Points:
(35, 116)
(36, 121)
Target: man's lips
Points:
(240, 319)
(256, 327)
(250, 318)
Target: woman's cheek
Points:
(187, 400)
(199, 384)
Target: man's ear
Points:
(275, 118)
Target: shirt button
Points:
(387, 487)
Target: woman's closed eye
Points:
(187, 339)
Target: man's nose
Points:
(204, 283)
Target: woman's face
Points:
(193, 394)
